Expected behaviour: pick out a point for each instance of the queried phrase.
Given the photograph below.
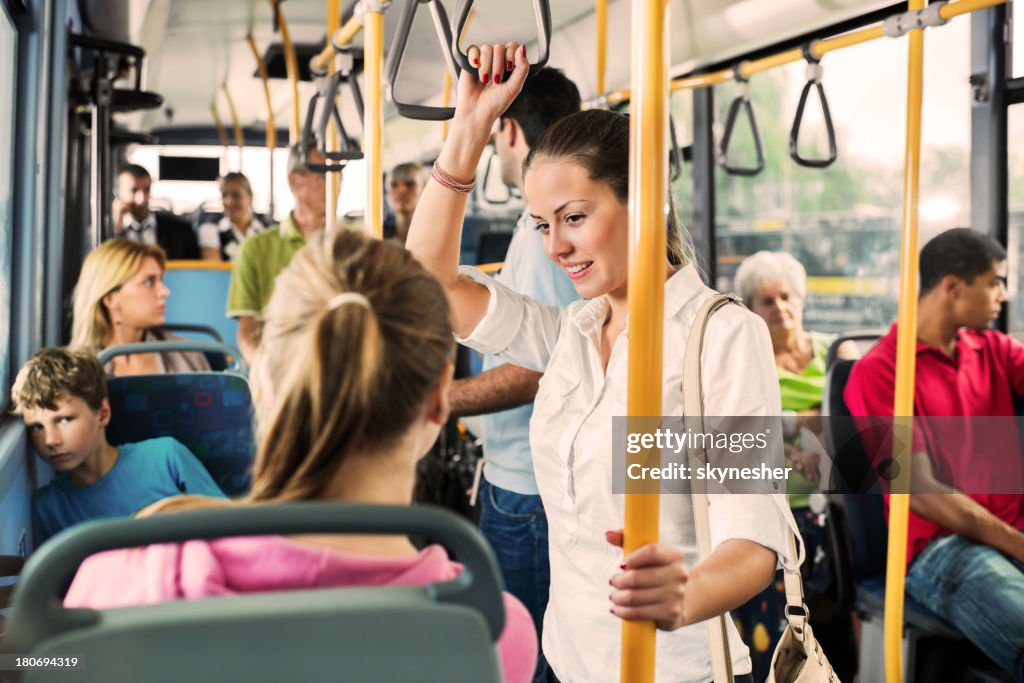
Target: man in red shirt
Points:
(965, 550)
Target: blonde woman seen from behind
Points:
(121, 298)
(351, 387)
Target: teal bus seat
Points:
(436, 633)
(209, 412)
(199, 295)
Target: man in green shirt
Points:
(266, 254)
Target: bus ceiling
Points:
(194, 47)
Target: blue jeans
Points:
(517, 529)
(979, 591)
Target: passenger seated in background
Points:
(405, 183)
(61, 395)
(221, 241)
(263, 256)
(774, 286)
(133, 219)
(121, 298)
(965, 550)
(352, 388)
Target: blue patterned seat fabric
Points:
(209, 412)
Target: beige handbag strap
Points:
(693, 406)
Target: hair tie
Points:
(348, 298)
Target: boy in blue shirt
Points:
(62, 396)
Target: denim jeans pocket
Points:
(511, 504)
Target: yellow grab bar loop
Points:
(740, 101)
(814, 76)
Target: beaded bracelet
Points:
(438, 174)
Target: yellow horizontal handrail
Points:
(818, 48)
(343, 36)
(198, 264)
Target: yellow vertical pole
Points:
(271, 126)
(601, 11)
(646, 285)
(221, 131)
(236, 123)
(446, 98)
(333, 185)
(373, 67)
(291, 64)
(271, 130)
(906, 345)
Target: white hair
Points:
(766, 267)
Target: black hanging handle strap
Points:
(740, 101)
(396, 56)
(314, 132)
(814, 74)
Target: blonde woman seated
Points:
(221, 241)
(121, 298)
(352, 390)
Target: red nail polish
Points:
(486, 78)
(509, 66)
(476, 62)
(497, 79)
(610, 582)
(622, 566)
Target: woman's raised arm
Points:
(436, 230)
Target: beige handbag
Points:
(798, 657)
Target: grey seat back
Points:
(438, 632)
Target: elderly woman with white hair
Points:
(774, 286)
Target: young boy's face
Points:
(68, 436)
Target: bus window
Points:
(843, 222)
(1016, 69)
(1015, 228)
(8, 60)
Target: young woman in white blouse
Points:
(576, 180)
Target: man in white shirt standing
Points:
(512, 517)
(134, 220)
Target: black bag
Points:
(446, 475)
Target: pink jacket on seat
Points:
(197, 569)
